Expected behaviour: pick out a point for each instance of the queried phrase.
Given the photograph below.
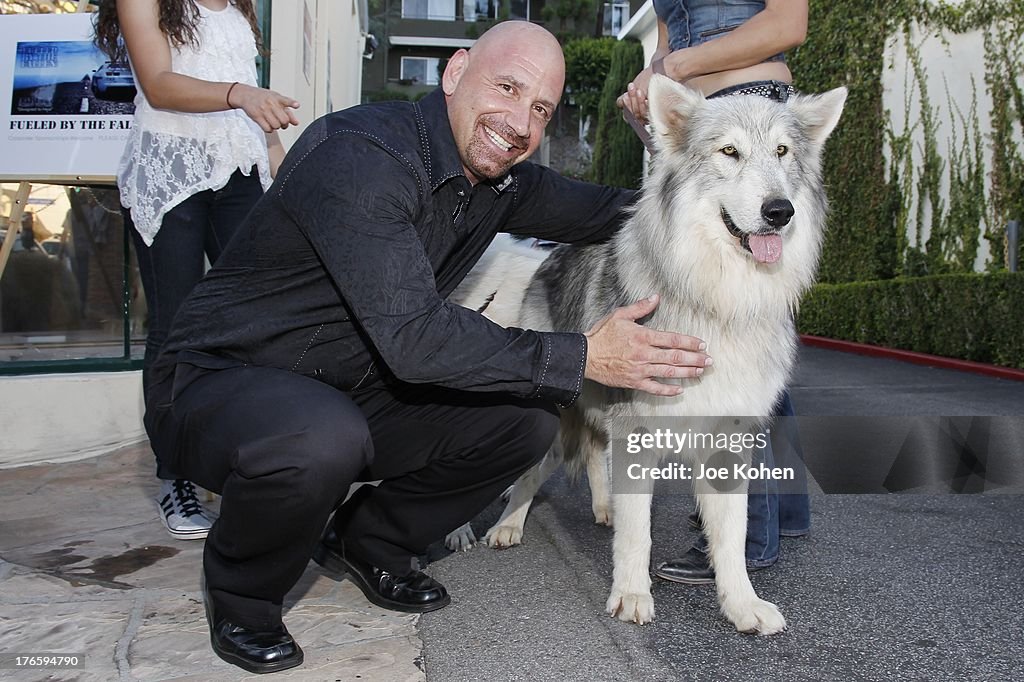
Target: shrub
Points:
(969, 316)
(618, 152)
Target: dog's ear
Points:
(671, 105)
(819, 114)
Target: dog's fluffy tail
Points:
(495, 286)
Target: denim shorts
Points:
(693, 22)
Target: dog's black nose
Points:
(777, 212)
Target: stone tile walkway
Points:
(86, 567)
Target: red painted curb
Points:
(915, 358)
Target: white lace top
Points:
(169, 155)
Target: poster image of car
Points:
(66, 109)
(69, 78)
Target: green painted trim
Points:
(126, 293)
(69, 366)
(263, 11)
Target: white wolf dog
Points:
(728, 230)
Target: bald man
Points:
(321, 349)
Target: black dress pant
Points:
(283, 449)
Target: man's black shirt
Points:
(341, 270)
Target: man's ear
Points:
(670, 106)
(454, 71)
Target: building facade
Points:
(413, 39)
(72, 317)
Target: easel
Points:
(21, 199)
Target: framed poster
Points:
(68, 108)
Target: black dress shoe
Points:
(693, 568)
(414, 592)
(258, 651)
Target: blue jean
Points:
(174, 263)
(794, 508)
(770, 514)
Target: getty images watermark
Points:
(718, 446)
(716, 454)
(831, 454)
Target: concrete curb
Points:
(913, 357)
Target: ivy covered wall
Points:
(881, 211)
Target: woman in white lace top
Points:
(202, 150)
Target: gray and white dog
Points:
(728, 230)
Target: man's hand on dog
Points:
(624, 354)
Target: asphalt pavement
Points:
(886, 586)
(68, 99)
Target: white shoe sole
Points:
(196, 534)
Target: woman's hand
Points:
(635, 97)
(151, 62)
(270, 110)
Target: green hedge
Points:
(586, 67)
(618, 152)
(976, 317)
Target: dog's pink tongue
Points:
(767, 248)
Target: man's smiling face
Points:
(501, 95)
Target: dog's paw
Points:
(632, 607)
(502, 537)
(603, 515)
(755, 616)
(460, 539)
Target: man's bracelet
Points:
(227, 97)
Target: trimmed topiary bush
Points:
(968, 316)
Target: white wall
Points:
(950, 63)
(318, 62)
(643, 26)
(63, 417)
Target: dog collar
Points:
(773, 90)
(777, 91)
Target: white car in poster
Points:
(114, 80)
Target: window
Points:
(420, 70)
(480, 10)
(615, 17)
(443, 10)
(64, 298)
(519, 9)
